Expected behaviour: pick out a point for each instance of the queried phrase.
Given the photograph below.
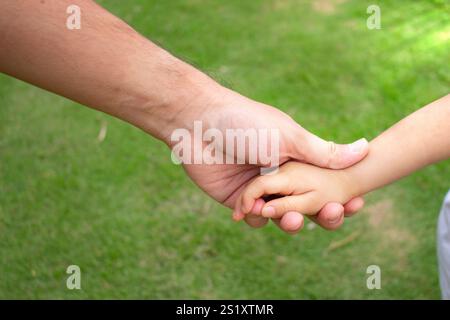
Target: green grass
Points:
(136, 225)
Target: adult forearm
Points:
(420, 139)
(105, 65)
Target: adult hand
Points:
(224, 182)
(108, 66)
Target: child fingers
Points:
(263, 185)
(304, 203)
(238, 215)
(257, 206)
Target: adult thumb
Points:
(331, 155)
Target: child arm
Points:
(418, 140)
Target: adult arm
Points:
(108, 66)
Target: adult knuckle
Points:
(332, 151)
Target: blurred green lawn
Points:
(136, 225)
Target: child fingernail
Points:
(268, 212)
(358, 146)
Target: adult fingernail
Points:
(358, 146)
(334, 220)
(268, 212)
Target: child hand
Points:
(306, 189)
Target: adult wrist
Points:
(175, 99)
(190, 97)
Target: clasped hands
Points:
(241, 187)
